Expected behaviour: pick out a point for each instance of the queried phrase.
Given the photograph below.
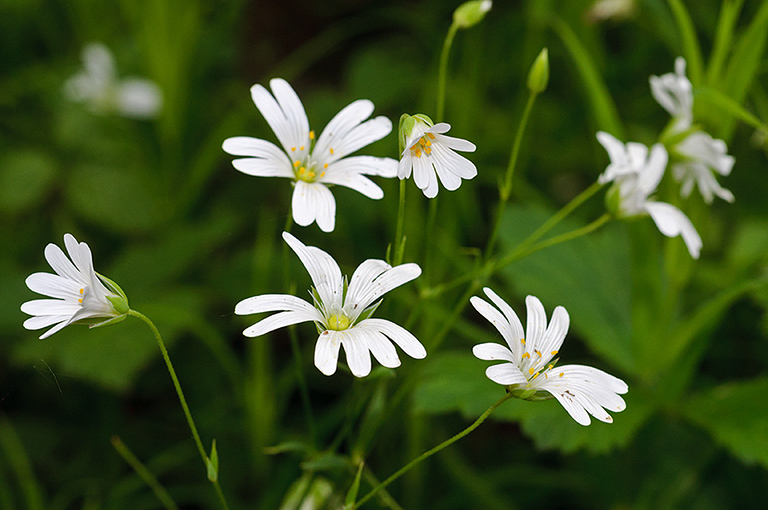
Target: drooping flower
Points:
(98, 86)
(340, 312)
(635, 175)
(429, 154)
(80, 295)
(696, 156)
(529, 371)
(313, 165)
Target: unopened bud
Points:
(538, 77)
(471, 13)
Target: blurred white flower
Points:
(313, 165)
(79, 293)
(341, 312)
(529, 371)
(430, 154)
(636, 175)
(696, 155)
(98, 86)
(602, 10)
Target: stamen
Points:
(296, 163)
(418, 153)
(428, 143)
(293, 149)
(331, 149)
(522, 341)
(325, 165)
(561, 374)
(301, 148)
(534, 376)
(311, 135)
(428, 150)
(302, 170)
(538, 353)
(530, 370)
(81, 290)
(322, 174)
(553, 353)
(80, 301)
(526, 355)
(431, 135)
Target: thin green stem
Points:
(399, 245)
(506, 188)
(144, 473)
(431, 452)
(442, 74)
(182, 399)
(691, 48)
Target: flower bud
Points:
(471, 13)
(538, 76)
(407, 125)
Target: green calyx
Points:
(120, 300)
(407, 125)
(538, 76)
(471, 13)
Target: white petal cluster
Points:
(98, 86)
(698, 156)
(313, 165)
(636, 174)
(528, 368)
(338, 309)
(78, 293)
(429, 154)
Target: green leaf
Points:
(25, 179)
(589, 276)
(691, 48)
(212, 463)
(355, 488)
(736, 416)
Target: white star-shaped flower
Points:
(529, 371)
(98, 86)
(341, 312)
(312, 164)
(636, 175)
(429, 154)
(80, 295)
(700, 155)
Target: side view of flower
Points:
(340, 311)
(98, 86)
(696, 156)
(529, 371)
(79, 294)
(636, 174)
(313, 165)
(429, 154)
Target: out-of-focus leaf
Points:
(25, 178)
(750, 244)
(369, 65)
(457, 382)
(736, 416)
(117, 199)
(589, 276)
(111, 356)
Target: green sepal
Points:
(538, 76)
(471, 13)
(109, 322)
(119, 303)
(212, 463)
(613, 200)
(527, 393)
(351, 498)
(368, 312)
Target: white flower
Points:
(98, 86)
(529, 370)
(78, 292)
(700, 154)
(313, 166)
(673, 91)
(602, 10)
(341, 313)
(636, 175)
(429, 154)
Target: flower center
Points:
(307, 170)
(338, 322)
(424, 144)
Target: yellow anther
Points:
(325, 165)
(561, 374)
(311, 135)
(522, 341)
(418, 153)
(296, 163)
(302, 170)
(428, 150)
(553, 353)
(322, 174)
(431, 135)
(428, 143)
(293, 149)
(311, 175)
(537, 352)
(550, 366)
(80, 301)
(301, 148)
(526, 355)
(81, 291)
(534, 376)
(331, 149)
(530, 370)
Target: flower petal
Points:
(347, 132)
(324, 271)
(356, 349)
(553, 338)
(50, 307)
(510, 333)
(139, 98)
(672, 222)
(275, 303)
(285, 115)
(457, 144)
(380, 346)
(277, 321)
(536, 324)
(506, 373)
(517, 332)
(492, 352)
(43, 321)
(54, 285)
(374, 278)
(455, 163)
(313, 201)
(266, 159)
(355, 181)
(61, 264)
(368, 165)
(398, 334)
(327, 352)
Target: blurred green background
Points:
(187, 237)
